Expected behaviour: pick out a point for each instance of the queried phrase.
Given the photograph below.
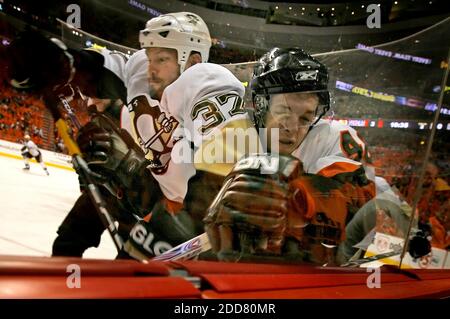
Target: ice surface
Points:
(33, 205)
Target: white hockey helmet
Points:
(182, 31)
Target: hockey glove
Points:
(112, 153)
(45, 68)
(257, 209)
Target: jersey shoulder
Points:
(199, 82)
(334, 132)
(204, 79)
(331, 127)
(136, 75)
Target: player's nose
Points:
(152, 70)
(287, 124)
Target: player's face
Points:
(292, 114)
(163, 69)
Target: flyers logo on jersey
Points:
(153, 131)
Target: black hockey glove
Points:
(43, 68)
(256, 208)
(112, 153)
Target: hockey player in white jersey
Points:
(221, 94)
(198, 98)
(30, 150)
(195, 100)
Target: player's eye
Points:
(304, 121)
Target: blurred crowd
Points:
(399, 159)
(23, 112)
(20, 114)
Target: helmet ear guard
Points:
(183, 31)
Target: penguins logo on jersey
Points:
(153, 131)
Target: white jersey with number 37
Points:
(205, 100)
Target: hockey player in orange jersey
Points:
(300, 209)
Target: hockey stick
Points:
(187, 250)
(358, 262)
(82, 168)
